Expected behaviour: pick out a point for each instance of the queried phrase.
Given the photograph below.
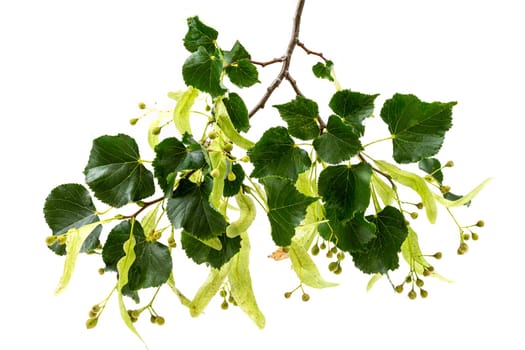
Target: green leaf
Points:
(189, 208)
(349, 235)
(203, 70)
(242, 73)
(416, 183)
(123, 266)
(199, 35)
(202, 253)
(305, 267)
(286, 208)
(277, 154)
(247, 212)
(323, 70)
(432, 166)
(345, 190)
(237, 111)
(231, 188)
(353, 107)
(182, 110)
(208, 290)
(115, 172)
(152, 264)
(75, 239)
(340, 141)
(172, 156)
(381, 254)
(301, 115)
(418, 128)
(237, 53)
(70, 206)
(241, 283)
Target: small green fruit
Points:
(305, 297)
(91, 323)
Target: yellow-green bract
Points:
(415, 182)
(247, 212)
(226, 125)
(181, 113)
(123, 266)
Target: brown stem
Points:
(310, 52)
(285, 59)
(144, 206)
(264, 64)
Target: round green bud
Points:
(444, 189)
(449, 164)
(51, 240)
(215, 173)
(134, 313)
(245, 159)
(408, 279)
(225, 305)
(475, 236)
(91, 323)
(414, 215)
(480, 223)
(399, 288)
(305, 297)
(153, 319)
(463, 248)
(420, 283)
(95, 308)
(231, 300)
(333, 266)
(156, 130)
(213, 135)
(412, 294)
(92, 314)
(338, 270)
(334, 250)
(160, 320)
(438, 255)
(466, 236)
(419, 205)
(340, 256)
(133, 121)
(223, 293)
(287, 295)
(101, 271)
(323, 245)
(423, 293)
(142, 105)
(231, 176)
(62, 239)
(315, 250)
(329, 254)
(228, 147)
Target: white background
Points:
(74, 70)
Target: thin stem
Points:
(144, 206)
(310, 52)
(264, 64)
(380, 140)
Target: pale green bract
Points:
(75, 238)
(153, 136)
(305, 267)
(415, 182)
(226, 125)
(149, 221)
(464, 199)
(247, 212)
(123, 266)
(208, 289)
(214, 242)
(181, 113)
(373, 280)
(218, 161)
(385, 192)
(241, 283)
